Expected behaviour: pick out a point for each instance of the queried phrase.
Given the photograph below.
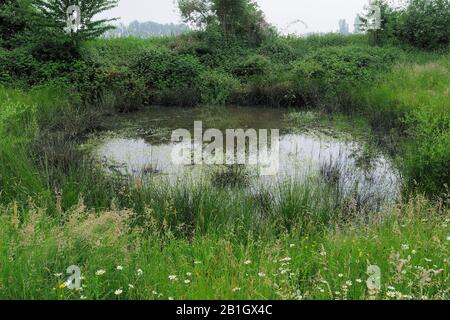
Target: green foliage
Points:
(254, 65)
(114, 250)
(241, 19)
(278, 50)
(352, 64)
(169, 78)
(425, 24)
(416, 95)
(217, 87)
(53, 14)
(14, 15)
(420, 23)
(428, 157)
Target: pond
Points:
(140, 145)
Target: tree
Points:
(54, 14)
(425, 24)
(234, 18)
(198, 13)
(420, 23)
(14, 21)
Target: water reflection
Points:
(147, 152)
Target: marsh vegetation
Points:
(365, 161)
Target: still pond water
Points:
(139, 145)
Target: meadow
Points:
(197, 240)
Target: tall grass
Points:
(122, 260)
(415, 97)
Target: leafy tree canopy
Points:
(234, 18)
(53, 14)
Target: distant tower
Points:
(358, 24)
(343, 27)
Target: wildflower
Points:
(118, 292)
(170, 298)
(292, 245)
(173, 278)
(391, 288)
(83, 297)
(349, 283)
(236, 289)
(287, 259)
(140, 272)
(189, 274)
(100, 272)
(247, 262)
(261, 274)
(405, 246)
(119, 268)
(154, 292)
(337, 293)
(427, 260)
(321, 290)
(448, 238)
(414, 252)
(391, 294)
(62, 285)
(283, 271)
(340, 275)
(187, 281)
(197, 262)
(359, 280)
(130, 286)
(58, 275)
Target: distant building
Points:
(343, 27)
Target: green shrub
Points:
(425, 24)
(167, 76)
(278, 50)
(420, 23)
(254, 65)
(217, 87)
(126, 90)
(335, 65)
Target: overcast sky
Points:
(319, 15)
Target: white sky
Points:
(319, 15)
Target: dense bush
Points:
(419, 23)
(278, 50)
(217, 87)
(425, 24)
(168, 77)
(254, 65)
(335, 65)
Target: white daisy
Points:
(100, 272)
